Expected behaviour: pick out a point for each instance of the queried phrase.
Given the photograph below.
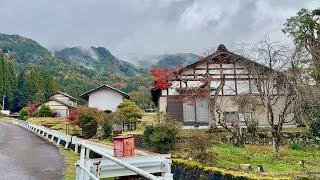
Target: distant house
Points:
(61, 103)
(239, 79)
(105, 98)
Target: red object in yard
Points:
(123, 146)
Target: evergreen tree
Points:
(7, 81)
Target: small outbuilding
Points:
(105, 97)
(61, 103)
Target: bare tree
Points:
(275, 86)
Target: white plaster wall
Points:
(105, 99)
(60, 109)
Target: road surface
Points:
(25, 156)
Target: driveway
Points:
(25, 156)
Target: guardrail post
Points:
(87, 153)
(167, 170)
(76, 148)
(58, 142)
(47, 135)
(52, 137)
(78, 172)
(66, 146)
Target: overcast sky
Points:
(145, 27)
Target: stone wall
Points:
(191, 170)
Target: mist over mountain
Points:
(99, 59)
(166, 60)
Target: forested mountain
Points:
(34, 65)
(98, 58)
(167, 60)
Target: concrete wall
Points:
(105, 99)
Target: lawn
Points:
(230, 157)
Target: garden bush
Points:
(296, 146)
(89, 124)
(127, 115)
(315, 128)
(76, 113)
(44, 111)
(161, 137)
(107, 129)
(24, 114)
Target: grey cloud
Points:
(142, 27)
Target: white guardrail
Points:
(108, 165)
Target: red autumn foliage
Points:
(75, 113)
(32, 108)
(162, 76)
(73, 116)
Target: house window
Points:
(245, 117)
(243, 86)
(229, 88)
(235, 116)
(230, 116)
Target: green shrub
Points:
(107, 111)
(296, 146)
(89, 124)
(44, 111)
(24, 114)
(107, 129)
(161, 137)
(315, 128)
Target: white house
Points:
(61, 103)
(105, 97)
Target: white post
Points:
(66, 146)
(167, 170)
(3, 98)
(87, 153)
(76, 148)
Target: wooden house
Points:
(238, 79)
(61, 103)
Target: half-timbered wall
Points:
(238, 78)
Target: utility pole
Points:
(3, 98)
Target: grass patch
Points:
(230, 157)
(70, 158)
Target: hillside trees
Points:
(7, 81)
(33, 86)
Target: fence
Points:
(108, 165)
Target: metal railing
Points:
(108, 165)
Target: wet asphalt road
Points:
(25, 156)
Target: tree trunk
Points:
(276, 144)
